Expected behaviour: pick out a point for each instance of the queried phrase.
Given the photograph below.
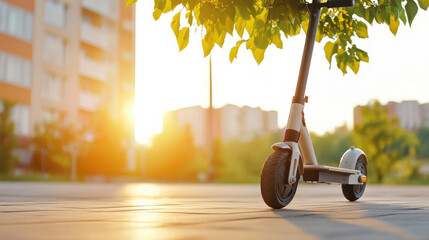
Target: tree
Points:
(172, 154)
(8, 141)
(50, 142)
(331, 146)
(423, 149)
(242, 161)
(261, 23)
(384, 142)
(106, 154)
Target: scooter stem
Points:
(308, 52)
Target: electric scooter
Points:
(295, 157)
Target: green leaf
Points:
(378, 15)
(341, 62)
(190, 18)
(244, 8)
(130, 2)
(369, 15)
(394, 25)
(258, 54)
(402, 16)
(354, 65)
(330, 48)
(175, 24)
(250, 43)
(156, 14)
(250, 26)
(261, 41)
(277, 40)
(208, 43)
(233, 53)
(239, 27)
(167, 6)
(361, 29)
(411, 8)
(229, 26)
(192, 4)
(362, 55)
(220, 38)
(424, 4)
(160, 4)
(234, 50)
(183, 38)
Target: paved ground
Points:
(201, 211)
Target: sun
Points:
(148, 121)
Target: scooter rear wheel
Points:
(275, 190)
(354, 192)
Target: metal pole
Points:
(210, 127)
(74, 163)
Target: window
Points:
(56, 13)
(28, 26)
(16, 22)
(2, 65)
(54, 88)
(13, 67)
(15, 70)
(55, 50)
(52, 115)
(3, 16)
(21, 117)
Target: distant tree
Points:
(50, 142)
(260, 24)
(172, 154)
(383, 140)
(329, 147)
(106, 154)
(423, 148)
(218, 162)
(8, 141)
(242, 161)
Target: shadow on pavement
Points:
(360, 220)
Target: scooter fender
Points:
(281, 146)
(287, 147)
(350, 157)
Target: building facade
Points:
(411, 114)
(230, 122)
(62, 60)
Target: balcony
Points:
(92, 69)
(107, 8)
(94, 35)
(88, 101)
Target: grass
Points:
(35, 177)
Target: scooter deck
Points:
(328, 174)
(330, 169)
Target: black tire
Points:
(354, 192)
(274, 188)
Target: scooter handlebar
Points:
(338, 3)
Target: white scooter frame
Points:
(279, 177)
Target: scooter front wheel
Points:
(275, 190)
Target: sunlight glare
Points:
(147, 124)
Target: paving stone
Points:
(207, 211)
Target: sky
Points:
(167, 79)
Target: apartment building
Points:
(411, 114)
(230, 122)
(65, 59)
